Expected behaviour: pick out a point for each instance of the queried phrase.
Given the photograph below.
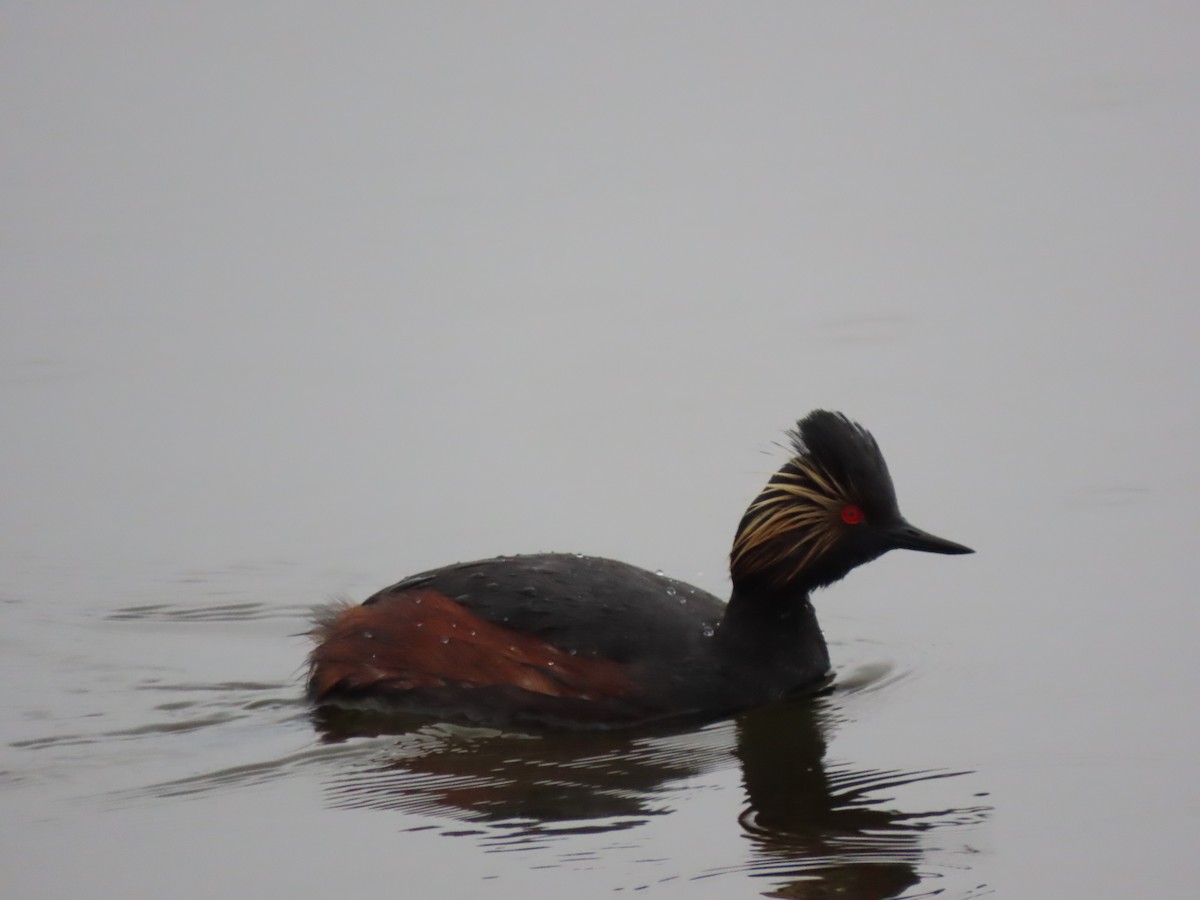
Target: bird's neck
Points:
(767, 613)
(773, 636)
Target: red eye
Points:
(852, 515)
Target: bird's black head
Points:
(830, 508)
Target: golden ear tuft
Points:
(794, 522)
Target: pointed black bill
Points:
(909, 537)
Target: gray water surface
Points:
(300, 300)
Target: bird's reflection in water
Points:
(828, 827)
(522, 786)
(817, 830)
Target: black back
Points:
(586, 604)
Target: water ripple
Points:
(222, 612)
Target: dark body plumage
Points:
(576, 641)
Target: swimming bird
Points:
(571, 641)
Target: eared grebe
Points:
(573, 641)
